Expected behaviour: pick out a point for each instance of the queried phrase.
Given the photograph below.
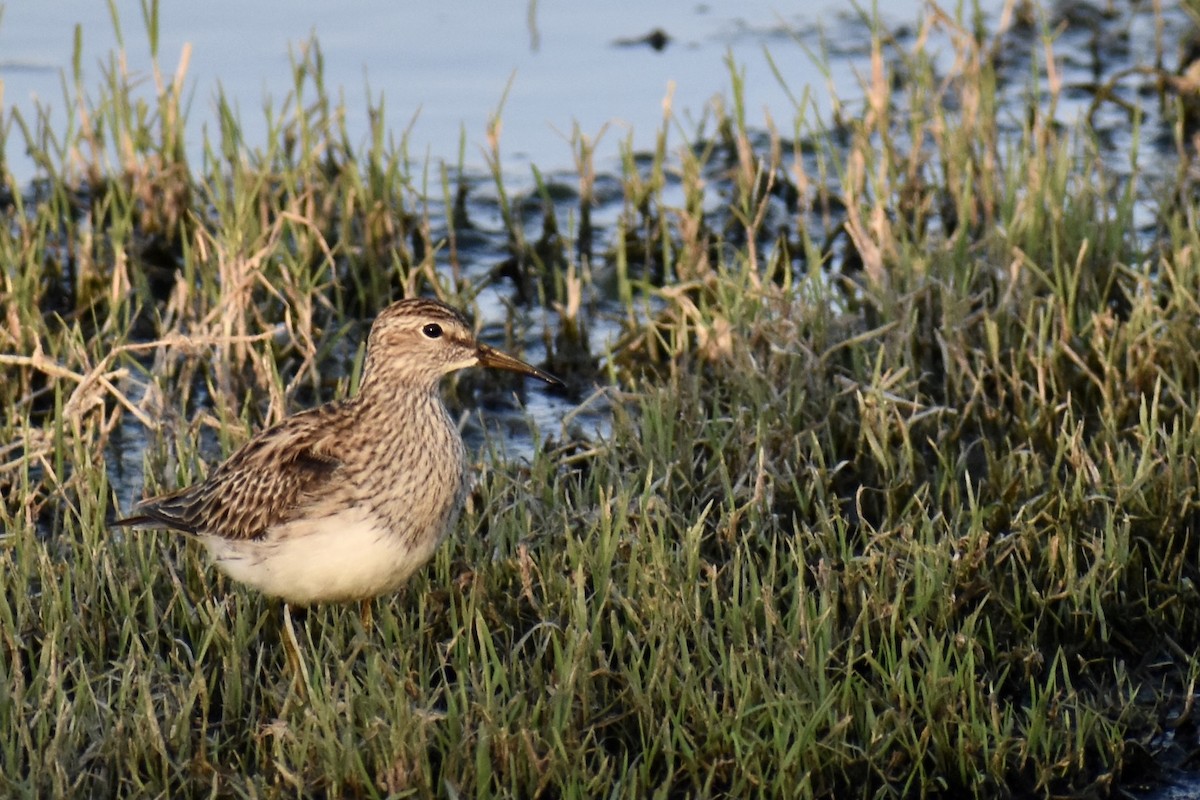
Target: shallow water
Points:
(445, 66)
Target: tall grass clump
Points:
(897, 497)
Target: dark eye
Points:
(432, 330)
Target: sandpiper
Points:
(345, 501)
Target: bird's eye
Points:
(432, 330)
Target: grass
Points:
(899, 496)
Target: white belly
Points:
(345, 556)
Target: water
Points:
(445, 66)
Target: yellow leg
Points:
(364, 614)
(292, 646)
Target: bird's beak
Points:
(491, 357)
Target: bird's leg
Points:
(364, 615)
(292, 646)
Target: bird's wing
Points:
(271, 478)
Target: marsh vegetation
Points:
(896, 494)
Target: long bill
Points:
(491, 357)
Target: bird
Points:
(344, 502)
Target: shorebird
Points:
(345, 501)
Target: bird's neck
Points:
(398, 402)
(412, 423)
